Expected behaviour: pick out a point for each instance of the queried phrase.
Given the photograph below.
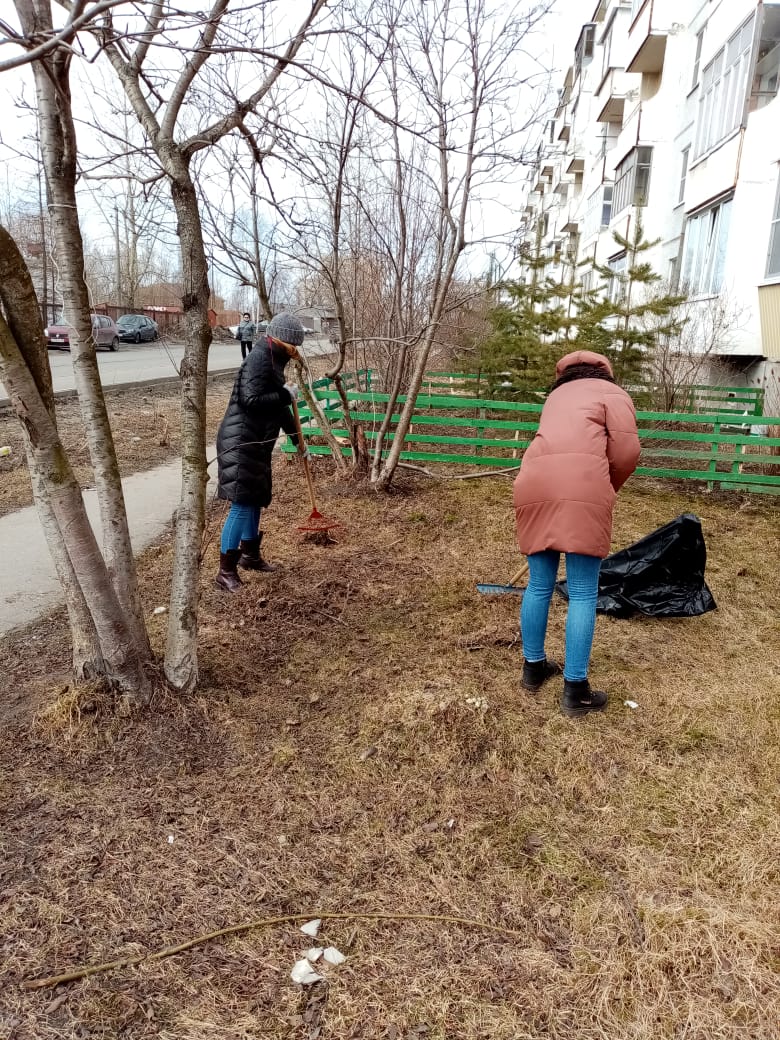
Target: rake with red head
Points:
(317, 524)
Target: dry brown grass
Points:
(328, 747)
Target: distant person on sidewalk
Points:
(585, 449)
(259, 408)
(246, 334)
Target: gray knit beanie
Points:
(286, 328)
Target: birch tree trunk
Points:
(55, 479)
(181, 653)
(58, 149)
(23, 315)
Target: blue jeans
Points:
(582, 575)
(242, 525)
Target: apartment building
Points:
(669, 114)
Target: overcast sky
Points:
(556, 44)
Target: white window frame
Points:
(697, 59)
(705, 248)
(724, 89)
(625, 189)
(774, 240)
(618, 265)
(685, 159)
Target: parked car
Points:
(137, 328)
(103, 329)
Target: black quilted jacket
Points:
(259, 408)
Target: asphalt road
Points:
(152, 361)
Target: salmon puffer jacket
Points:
(585, 449)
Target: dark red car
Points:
(103, 329)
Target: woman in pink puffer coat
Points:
(586, 448)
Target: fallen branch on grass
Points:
(260, 922)
(459, 476)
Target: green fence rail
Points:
(695, 397)
(467, 431)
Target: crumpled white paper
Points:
(312, 928)
(333, 956)
(304, 974)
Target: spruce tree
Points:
(531, 327)
(632, 313)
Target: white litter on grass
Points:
(304, 974)
(312, 928)
(314, 954)
(631, 704)
(159, 610)
(5, 451)
(170, 839)
(477, 702)
(333, 956)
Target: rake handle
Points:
(304, 460)
(520, 574)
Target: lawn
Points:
(360, 744)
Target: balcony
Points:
(647, 37)
(611, 96)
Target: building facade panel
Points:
(670, 115)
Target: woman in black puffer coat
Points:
(259, 408)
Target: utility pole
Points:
(118, 258)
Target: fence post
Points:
(712, 468)
(515, 452)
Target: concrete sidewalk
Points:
(28, 582)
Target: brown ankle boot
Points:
(228, 578)
(251, 560)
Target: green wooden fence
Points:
(696, 397)
(454, 430)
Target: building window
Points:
(636, 7)
(697, 59)
(583, 52)
(704, 255)
(606, 206)
(598, 211)
(606, 50)
(616, 290)
(773, 260)
(767, 74)
(724, 84)
(632, 179)
(686, 152)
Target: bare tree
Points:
(236, 225)
(677, 363)
(59, 153)
(103, 643)
(427, 125)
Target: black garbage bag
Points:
(662, 575)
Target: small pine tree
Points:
(540, 319)
(628, 320)
(535, 320)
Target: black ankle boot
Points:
(250, 558)
(536, 673)
(578, 699)
(228, 578)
